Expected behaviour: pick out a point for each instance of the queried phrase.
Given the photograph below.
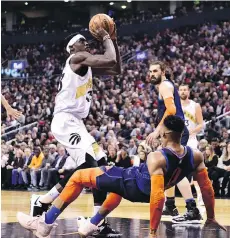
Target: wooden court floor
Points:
(131, 218)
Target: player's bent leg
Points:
(193, 214)
(185, 189)
(111, 202)
(40, 204)
(170, 207)
(42, 226)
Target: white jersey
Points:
(190, 115)
(190, 121)
(75, 92)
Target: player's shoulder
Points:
(79, 57)
(166, 84)
(156, 157)
(197, 155)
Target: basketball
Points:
(101, 20)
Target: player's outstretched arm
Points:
(10, 111)
(106, 60)
(156, 163)
(201, 175)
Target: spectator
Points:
(123, 159)
(224, 163)
(46, 165)
(53, 152)
(9, 168)
(112, 155)
(25, 170)
(132, 150)
(211, 162)
(34, 167)
(202, 145)
(55, 169)
(18, 164)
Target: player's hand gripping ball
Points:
(102, 21)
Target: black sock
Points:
(190, 204)
(170, 202)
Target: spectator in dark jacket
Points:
(17, 169)
(54, 170)
(211, 162)
(123, 159)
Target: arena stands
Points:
(124, 107)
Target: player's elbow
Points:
(112, 62)
(172, 110)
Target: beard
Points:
(155, 80)
(184, 97)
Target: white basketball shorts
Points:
(72, 133)
(193, 143)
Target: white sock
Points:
(95, 210)
(50, 196)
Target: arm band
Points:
(157, 199)
(170, 108)
(207, 192)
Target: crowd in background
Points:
(128, 16)
(124, 108)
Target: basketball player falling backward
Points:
(146, 183)
(169, 104)
(72, 104)
(194, 122)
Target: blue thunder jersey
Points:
(179, 112)
(134, 183)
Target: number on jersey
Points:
(60, 82)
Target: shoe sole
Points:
(187, 222)
(34, 197)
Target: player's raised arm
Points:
(106, 60)
(155, 163)
(116, 69)
(201, 175)
(166, 91)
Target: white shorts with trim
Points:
(72, 133)
(193, 143)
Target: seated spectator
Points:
(46, 165)
(123, 159)
(132, 150)
(53, 151)
(18, 164)
(8, 169)
(56, 168)
(202, 145)
(112, 155)
(211, 162)
(34, 166)
(25, 170)
(224, 163)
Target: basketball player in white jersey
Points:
(194, 122)
(72, 104)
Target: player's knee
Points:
(76, 177)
